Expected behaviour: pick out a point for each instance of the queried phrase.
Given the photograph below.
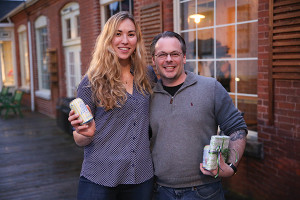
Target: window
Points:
(111, 7)
(6, 60)
(70, 19)
(71, 23)
(24, 57)
(41, 33)
(221, 43)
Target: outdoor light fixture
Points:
(197, 17)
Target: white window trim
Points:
(44, 94)
(70, 11)
(41, 22)
(22, 50)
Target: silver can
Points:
(80, 108)
(206, 156)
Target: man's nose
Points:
(169, 58)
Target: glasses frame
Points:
(168, 54)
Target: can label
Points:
(80, 108)
(205, 156)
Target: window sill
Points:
(25, 89)
(253, 147)
(44, 94)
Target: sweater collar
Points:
(189, 80)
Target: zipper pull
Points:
(171, 101)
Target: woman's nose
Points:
(124, 39)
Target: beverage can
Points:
(80, 108)
(205, 155)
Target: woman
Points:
(117, 162)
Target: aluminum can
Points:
(205, 156)
(80, 108)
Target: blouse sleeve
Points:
(85, 93)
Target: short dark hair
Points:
(167, 34)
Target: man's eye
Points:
(162, 55)
(175, 54)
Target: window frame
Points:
(39, 24)
(70, 12)
(235, 95)
(104, 3)
(24, 57)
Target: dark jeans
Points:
(88, 190)
(212, 191)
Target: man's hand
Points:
(224, 171)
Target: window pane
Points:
(126, 5)
(24, 59)
(78, 26)
(225, 42)
(248, 105)
(115, 7)
(247, 40)
(190, 66)
(205, 69)
(205, 8)
(68, 28)
(225, 11)
(7, 62)
(225, 74)
(187, 9)
(205, 43)
(42, 59)
(247, 10)
(190, 40)
(247, 76)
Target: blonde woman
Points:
(117, 162)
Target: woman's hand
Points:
(83, 134)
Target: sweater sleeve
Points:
(228, 117)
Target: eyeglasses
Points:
(164, 55)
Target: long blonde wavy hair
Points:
(104, 72)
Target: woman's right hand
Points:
(87, 129)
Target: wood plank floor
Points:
(37, 159)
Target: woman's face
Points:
(124, 41)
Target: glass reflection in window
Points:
(247, 76)
(225, 42)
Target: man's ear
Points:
(153, 61)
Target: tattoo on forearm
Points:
(238, 135)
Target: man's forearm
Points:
(237, 144)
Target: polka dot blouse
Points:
(120, 150)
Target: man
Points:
(185, 112)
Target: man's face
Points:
(169, 61)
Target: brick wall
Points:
(90, 29)
(277, 176)
(90, 23)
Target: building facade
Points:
(251, 46)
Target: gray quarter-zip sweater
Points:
(183, 124)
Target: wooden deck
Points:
(38, 161)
